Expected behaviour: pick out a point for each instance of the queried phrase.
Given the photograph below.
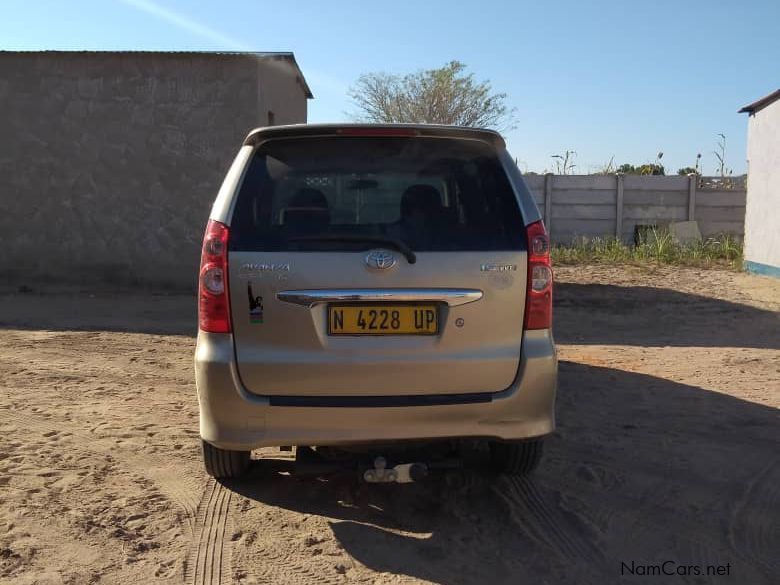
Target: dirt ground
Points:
(667, 450)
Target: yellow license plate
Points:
(383, 319)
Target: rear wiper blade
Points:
(387, 241)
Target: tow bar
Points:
(403, 473)
(309, 462)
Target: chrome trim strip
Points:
(309, 298)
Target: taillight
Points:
(538, 298)
(213, 303)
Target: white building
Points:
(762, 214)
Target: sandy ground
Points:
(667, 450)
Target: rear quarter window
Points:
(434, 194)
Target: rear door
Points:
(376, 266)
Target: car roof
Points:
(259, 135)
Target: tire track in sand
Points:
(209, 559)
(753, 529)
(545, 522)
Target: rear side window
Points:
(433, 194)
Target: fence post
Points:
(692, 179)
(619, 206)
(548, 179)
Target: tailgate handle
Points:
(311, 297)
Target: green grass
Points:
(657, 247)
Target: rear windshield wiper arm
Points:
(388, 241)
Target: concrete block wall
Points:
(109, 162)
(595, 205)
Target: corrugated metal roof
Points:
(762, 103)
(282, 55)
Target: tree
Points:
(655, 168)
(447, 95)
(695, 170)
(652, 169)
(645, 169)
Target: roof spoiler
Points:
(259, 135)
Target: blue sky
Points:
(603, 78)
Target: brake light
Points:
(377, 131)
(538, 298)
(213, 303)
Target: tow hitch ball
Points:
(404, 473)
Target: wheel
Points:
(516, 457)
(221, 463)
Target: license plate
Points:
(383, 319)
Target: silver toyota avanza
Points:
(374, 283)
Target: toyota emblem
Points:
(380, 260)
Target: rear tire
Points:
(221, 463)
(516, 457)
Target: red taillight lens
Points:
(538, 299)
(213, 303)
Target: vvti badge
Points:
(498, 267)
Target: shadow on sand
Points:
(642, 469)
(647, 316)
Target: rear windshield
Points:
(432, 194)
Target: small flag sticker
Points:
(255, 305)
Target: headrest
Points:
(424, 198)
(307, 197)
(308, 210)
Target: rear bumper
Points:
(233, 418)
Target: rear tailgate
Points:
(469, 268)
(287, 350)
